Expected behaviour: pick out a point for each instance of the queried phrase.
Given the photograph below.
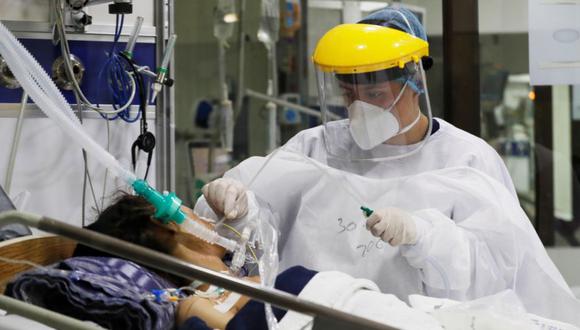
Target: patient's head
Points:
(131, 218)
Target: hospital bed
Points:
(45, 250)
(40, 250)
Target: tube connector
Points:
(239, 258)
(157, 85)
(167, 206)
(366, 211)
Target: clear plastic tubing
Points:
(49, 99)
(208, 235)
(46, 95)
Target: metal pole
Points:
(297, 107)
(283, 103)
(164, 111)
(241, 61)
(171, 109)
(272, 91)
(180, 268)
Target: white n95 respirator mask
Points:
(371, 125)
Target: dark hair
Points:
(129, 218)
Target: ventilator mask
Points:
(371, 125)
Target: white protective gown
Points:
(447, 147)
(479, 241)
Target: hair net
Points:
(404, 20)
(395, 18)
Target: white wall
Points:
(501, 16)
(24, 10)
(561, 140)
(566, 259)
(433, 16)
(50, 166)
(495, 16)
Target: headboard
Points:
(43, 250)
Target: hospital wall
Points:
(49, 165)
(197, 79)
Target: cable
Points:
(106, 168)
(15, 143)
(84, 193)
(240, 235)
(146, 140)
(142, 90)
(119, 80)
(59, 20)
(87, 175)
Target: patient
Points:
(131, 218)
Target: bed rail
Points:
(324, 317)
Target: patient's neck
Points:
(199, 259)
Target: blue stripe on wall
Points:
(92, 54)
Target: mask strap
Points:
(398, 96)
(408, 127)
(407, 22)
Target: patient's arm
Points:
(204, 309)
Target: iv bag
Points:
(224, 18)
(269, 22)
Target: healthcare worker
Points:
(377, 117)
(442, 198)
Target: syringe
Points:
(133, 39)
(162, 71)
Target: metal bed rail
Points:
(324, 317)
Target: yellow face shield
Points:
(372, 92)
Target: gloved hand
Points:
(393, 226)
(227, 197)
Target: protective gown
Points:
(448, 146)
(478, 240)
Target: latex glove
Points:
(227, 197)
(393, 226)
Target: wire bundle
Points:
(60, 29)
(120, 83)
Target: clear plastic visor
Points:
(376, 115)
